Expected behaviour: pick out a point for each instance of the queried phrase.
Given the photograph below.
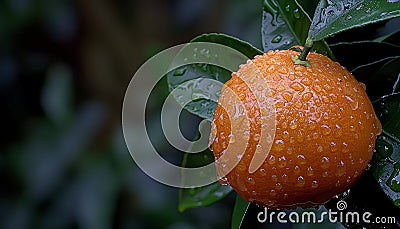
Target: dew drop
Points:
(285, 135)
(223, 181)
(279, 145)
(250, 180)
(276, 39)
(310, 171)
(333, 146)
(317, 88)
(293, 124)
(340, 169)
(306, 81)
(349, 17)
(296, 13)
(274, 177)
(384, 149)
(394, 180)
(296, 86)
(272, 192)
(278, 186)
(284, 177)
(231, 139)
(301, 159)
(361, 161)
(271, 160)
(179, 71)
(345, 147)
(285, 196)
(325, 162)
(263, 172)
(353, 104)
(306, 96)
(282, 70)
(287, 96)
(300, 181)
(282, 161)
(325, 174)
(287, 8)
(326, 130)
(314, 184)
(297, 169)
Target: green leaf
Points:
(239, 211)
(285, 24)
(201, 196)
(396, 85)
(334, 16)
(392, 38)
(204, 107)
(242, 46)
(353, 55)
(381, 78)
(386, 164)
(378, 71)
(388, 111)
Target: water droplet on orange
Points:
(296, 86)
(325, 162)
(306, 96)
(326, 130)
(287, 96)
(314, 184)
(300, 181)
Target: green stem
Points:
(307, 49)
(302, 58)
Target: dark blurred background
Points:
(64, 69)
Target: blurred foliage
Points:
(64, 67)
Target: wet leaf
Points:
(381, 78)
(285, 24)
(386, 164)
(239, 211)
(392, 38)
(334, 16)
(242, 46)
(378, 71)
(396, 85)
(203, 106)
(201, 196)
(353, 55)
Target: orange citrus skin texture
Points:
(326, 130)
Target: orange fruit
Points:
(325, 131)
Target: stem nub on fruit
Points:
(302, 58)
